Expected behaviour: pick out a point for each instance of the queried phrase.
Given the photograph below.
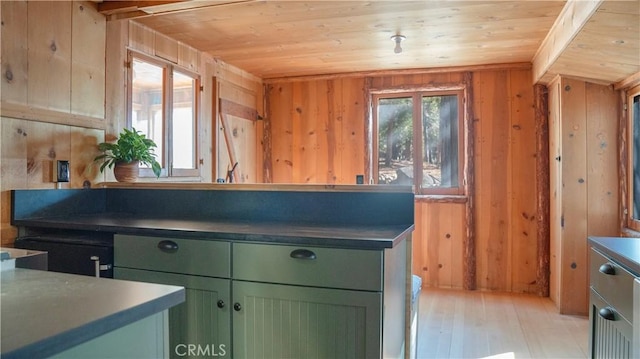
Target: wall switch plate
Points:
(62, 171)
(359, 179)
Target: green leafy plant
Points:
(130, 146)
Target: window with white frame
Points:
(163, 106)
(419, 141)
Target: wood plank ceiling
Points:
(277, 39)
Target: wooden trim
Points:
(469, 242)
(228, 107)
(267, 166)
(30, 113)
(368, 133)
(571, 20)
(622, 165)
(228, 139)
(629, 82)
(441, 199)
(257, 187)
(379, 73)
(541, 98)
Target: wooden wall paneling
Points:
(433, 237)
(574, 285)
(491, 179)
(14, 52)
(333, 127)
(352, 145)
(88, 43)
(543, 200)
(305, 120)
(83, 144)
(281, 98)
(13, 170)
(49, 55)
(141, 38)
(322, 130)
(165, 47)
(117, 38)
(46, 143)
(555, 190)
(457, 232)
(523, 194)
(602, 165)
(188, 57)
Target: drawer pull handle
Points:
(168, 246)
(221, 303)
(303, 254)
(607, 313)
(237, 307)
(607, 269)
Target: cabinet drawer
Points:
(616, 287)
(308, 266)
(174, 255)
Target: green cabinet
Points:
(257, 300)
(201, 325)
(611, 307)
(285, 321)
(202, 322)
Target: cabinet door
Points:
(611, 334)
(282, 321)
(201, 325)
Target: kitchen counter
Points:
(340, 236)
(339, 219)
(626, 251)
(45, 313)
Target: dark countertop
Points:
(339, 236)
(45, 313)
(624, 250)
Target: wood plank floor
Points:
(475, 324)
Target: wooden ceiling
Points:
(280, 38)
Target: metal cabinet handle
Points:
(237, 307)
(96, 261)
(303, 254)
(607, 313)
(221, 303)
(607, 269)
(168, 246)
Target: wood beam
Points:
(118, 10)
(572, 18)
(543, 268)
(469, 244)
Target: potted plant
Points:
(131, 149)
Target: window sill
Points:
(628, 232)
(430, 198)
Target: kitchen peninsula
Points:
(330, 252)
(47, 314)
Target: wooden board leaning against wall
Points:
(317, 134)
(52, 97)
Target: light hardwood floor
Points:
(476, 324)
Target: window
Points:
(162, 105)
(634, 159)
(419, 140)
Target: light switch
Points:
(62, 171)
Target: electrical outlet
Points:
(62, 171)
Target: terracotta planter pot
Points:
(126, 171)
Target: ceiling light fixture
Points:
(398, 39)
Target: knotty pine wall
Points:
(52, 96)
(585, 201)
(318, 136)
